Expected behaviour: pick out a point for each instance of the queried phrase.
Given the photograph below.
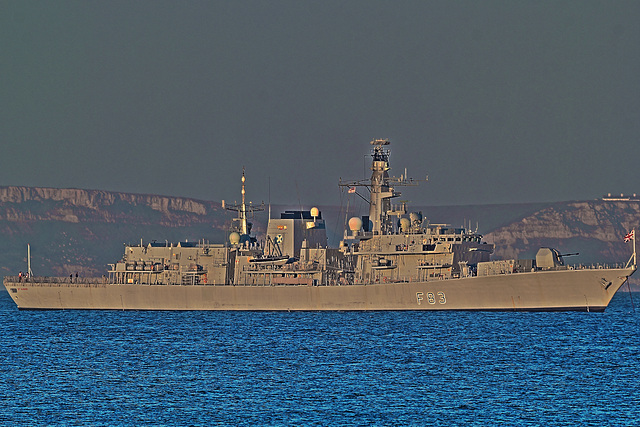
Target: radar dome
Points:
(404, 224)
(234, 238)
(315, 212)
(415, 216)
(355, 224)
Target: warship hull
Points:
(563, 290)
(390, 259)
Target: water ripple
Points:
(382, 368)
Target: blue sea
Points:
(97, 368)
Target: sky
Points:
(496, 101)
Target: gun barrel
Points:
(576, 253)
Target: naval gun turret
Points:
(550, 258)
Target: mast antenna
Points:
(243, 215)
(29, 272)
(269, 197)
(243, 210)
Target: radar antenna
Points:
(380, 186)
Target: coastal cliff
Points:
(595, 229)
(76, 205)
(80, 231)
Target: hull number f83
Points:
(431, 298)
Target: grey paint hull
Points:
(589, 290)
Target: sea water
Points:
(316, 368)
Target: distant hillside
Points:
(27, 204)
(73, 230)
(593, 228)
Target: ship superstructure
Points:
(389, 259)
(392, 245)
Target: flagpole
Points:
(634, 247)
(29, 260)
(632, 236)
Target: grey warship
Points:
(390, 259)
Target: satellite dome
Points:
(404, 224)
(355, 224)
(315, 212)
(415, 216)
(234, 238)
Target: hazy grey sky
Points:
(497, 101)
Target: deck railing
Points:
(51, 279)
(89, 281)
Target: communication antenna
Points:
(244, 210)
(269, 197)
(244, 207)
(29, 260)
